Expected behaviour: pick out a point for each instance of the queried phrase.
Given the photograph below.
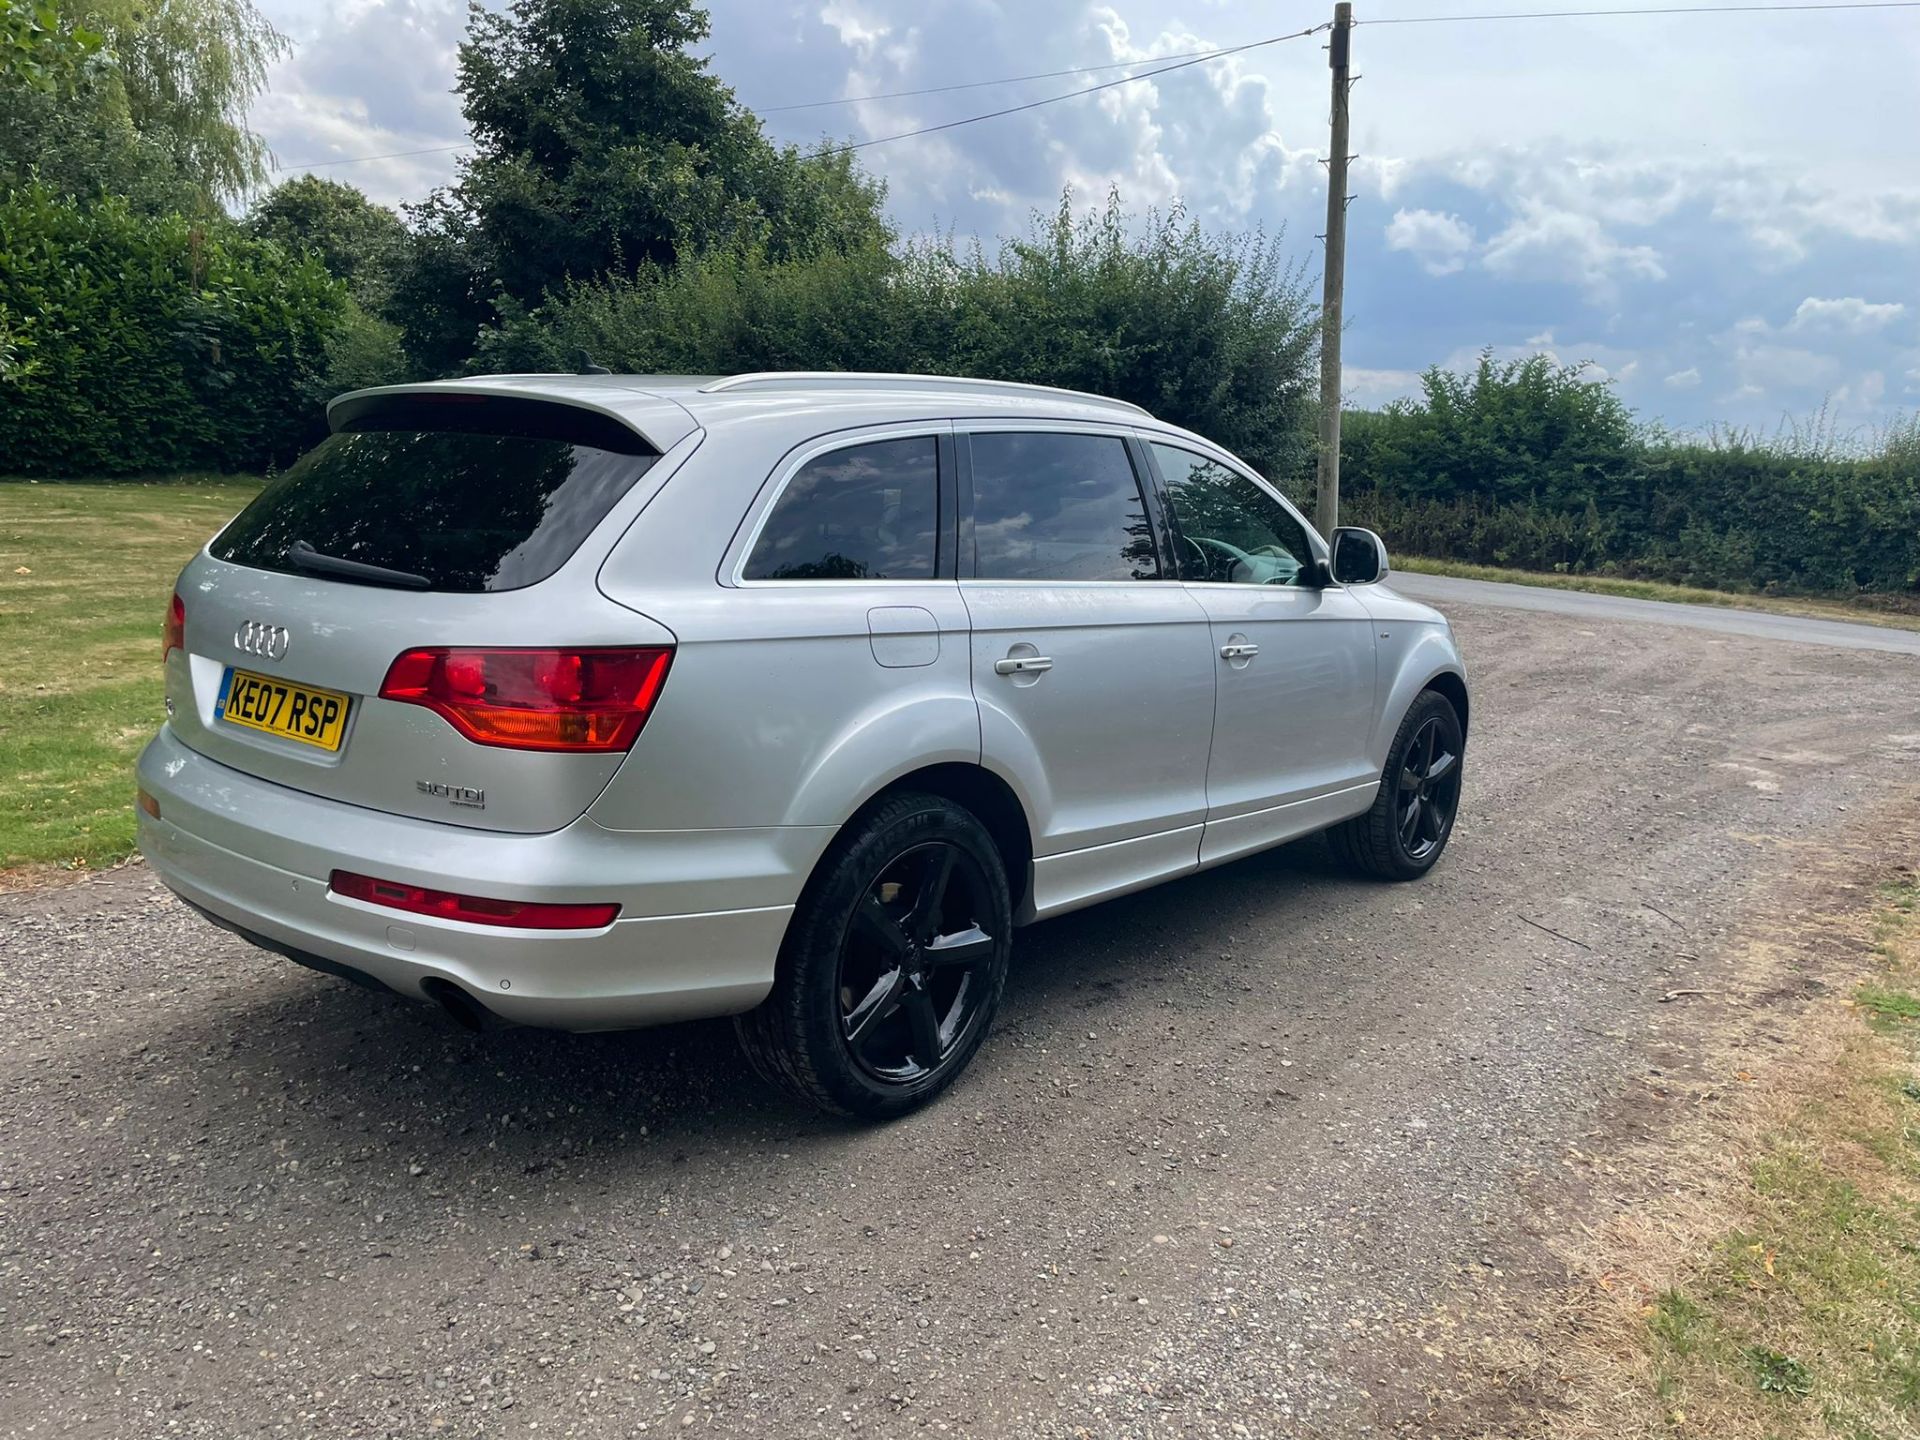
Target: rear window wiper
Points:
(303, 556)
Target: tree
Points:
(38, 49)
(603, 145)
(1529, 429)
(156, 115)
(358, 241)
(79, 147)
(184, 72)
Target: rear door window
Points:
(864, 512)
(470, 493)
(1051, 505)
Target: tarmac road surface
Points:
(1447, 591)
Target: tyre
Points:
(893, 964)
(1403, 833)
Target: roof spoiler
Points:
(467, 412)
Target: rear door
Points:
(1091, 666)
(432, 521)
(829, 652)
(1294, 659)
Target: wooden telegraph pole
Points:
(1339, 56)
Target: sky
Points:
(1719, 214)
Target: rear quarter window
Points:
(862, 512)
(485, 496)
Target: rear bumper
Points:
(255, 856)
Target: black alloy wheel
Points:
(1429, 790)
(914, 963)
(1402, 834)
(893, 963)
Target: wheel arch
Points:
(1453, 686)
(1429, 661)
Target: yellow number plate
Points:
(296, 712)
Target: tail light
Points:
(474, 909)
(174, 635)
(575, 700)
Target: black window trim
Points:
(754, 523)
(1143, 478)
(1315, 542)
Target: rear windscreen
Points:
(490, 495)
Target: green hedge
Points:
(1721, 519)
(133, 344)
(1529, 464)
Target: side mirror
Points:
(1359, 556)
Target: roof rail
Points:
(867, 379)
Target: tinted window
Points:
(466, 509)
(868, 512)
(1058, 507)
(1231, 531)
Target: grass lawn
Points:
(1804, 1318)
(85, 573)
(1806, 606)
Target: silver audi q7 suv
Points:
(595, 701)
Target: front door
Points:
(1294, 660)
(1090, 665)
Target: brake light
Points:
(475, 909)
(173, 636)
(578, 700)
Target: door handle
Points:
(1022, 665)
(1239, 652)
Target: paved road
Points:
(1245, 1151)
(1446, 591)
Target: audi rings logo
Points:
(256, 637)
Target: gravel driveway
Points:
(1235, 1153)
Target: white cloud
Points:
(1546, 243)
(1686, 379)
(1865, 393)
(1441, 243)
(1381, 175)
(1765, 368)
(1849, 315)
(368, 79)
(1780, 213)
(1369, 389)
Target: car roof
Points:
(666, 408)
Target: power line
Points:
(363, 159)
(986, 84)
(1084, 90)
(1652, 10)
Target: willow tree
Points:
(157, 114)
(186, 71)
